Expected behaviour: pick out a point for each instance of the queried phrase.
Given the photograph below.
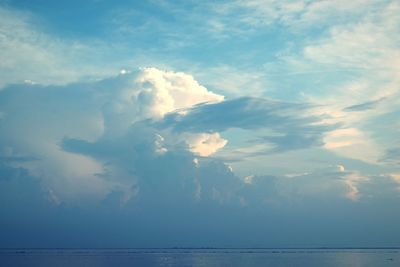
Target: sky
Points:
(258, 123)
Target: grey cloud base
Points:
(270, 218)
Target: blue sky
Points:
(257, 123)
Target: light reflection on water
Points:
(200, 257)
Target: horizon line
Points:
(194, 248)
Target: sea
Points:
(200, 257)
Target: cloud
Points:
(353, 143)
(150, 94)
(324, 184)
(90, 117)
(392, 156)
(162, 92)
(364, 106)
(396, 178)
(91, 139)
(232, 79)
(205, 144)
(296, 140)
(32, 54)
(255, 15)
(358, 79)
(289, 124)
(86, 156)
(175, 174)
(147, 136)
(141, 157)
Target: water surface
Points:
(199, 257)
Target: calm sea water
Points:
(200, 257)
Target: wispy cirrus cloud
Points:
(32, 54)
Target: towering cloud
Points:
(124, 134)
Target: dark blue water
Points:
(200, 257)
